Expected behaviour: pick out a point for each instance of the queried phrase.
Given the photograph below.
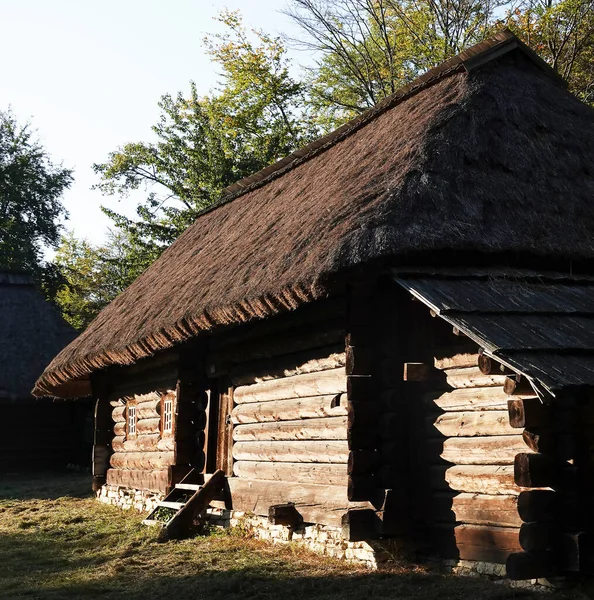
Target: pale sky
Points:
(88, 76)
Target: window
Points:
(131, 420)
(167, 416)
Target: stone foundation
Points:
(126, 498)
(322, 539)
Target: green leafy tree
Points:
(204, 144)
(31, 210)
(92, 276)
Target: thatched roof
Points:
(487, 155)
(32, 332)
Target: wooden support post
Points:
(527, 412)
(360, 524)
(285, 514)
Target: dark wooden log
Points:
(361, 389)
(324, 503)
(535, 470)
(197, 461)
(360, 524)
(576, 552)
(359, 361)
(527, 412)
(529, 565)
(536, 537)
(517, 385)
(316, 473)
(497, 510)
(102, 439)
(285, 514)
(362, 462)
(361, 488)
(329, 428)
(393, 476)
(537, 505)
(418, 372)
(154, 480)
(486, 544)
(362, 438)
(391, 426)
(362, 414)
(294, 451)
(539, 440)
(289, 410)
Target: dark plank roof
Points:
(542, 326)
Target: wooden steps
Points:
(186, 501)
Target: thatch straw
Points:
(494, 161)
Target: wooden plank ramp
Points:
(186, 501)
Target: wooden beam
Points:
(465, 399)
(471, 377)
(362, 462)
(535, 470)
(324, 503)
(482, 509)
(471, 423)
(484, 479)
(516, 385)
(527, 412)
(492, 450)
(536, 537)
(294, 451)
(332, 405)
(418, 371)
(485, 543)
(329, 428)
(359, 360)
(537, 505)
(316, 473)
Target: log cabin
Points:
(389, 333)
(38, 434)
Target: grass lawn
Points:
(57, 541)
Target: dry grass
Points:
(56, 541)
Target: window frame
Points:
(131, 411)
(165, 400)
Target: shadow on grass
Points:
(48, 485)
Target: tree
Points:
(30, 206)
(204, 144)
(92, 276)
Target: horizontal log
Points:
(485, 543)
(293, 451)
(495, 450)
(470, 424)
(289, 410)
(362, 414)
(362, 462)
(517, 384)
(330, 474)
(118, 414)
(119, 428)
(467, 399)
(362, 488)
(151, 409)
(529, 565)
(535, 470)
(456, 360)
(467, 377)
(537, 537)
(143, 443)
(142, 460)
(289, 365)
(537, 505)
(361, 388)
(329, 428)
(324, 504)
(148, 425)
(527, 412)
(155, 480)
(491, 480)
(299, 386)
(499, 510)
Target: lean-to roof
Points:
(486, 155)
